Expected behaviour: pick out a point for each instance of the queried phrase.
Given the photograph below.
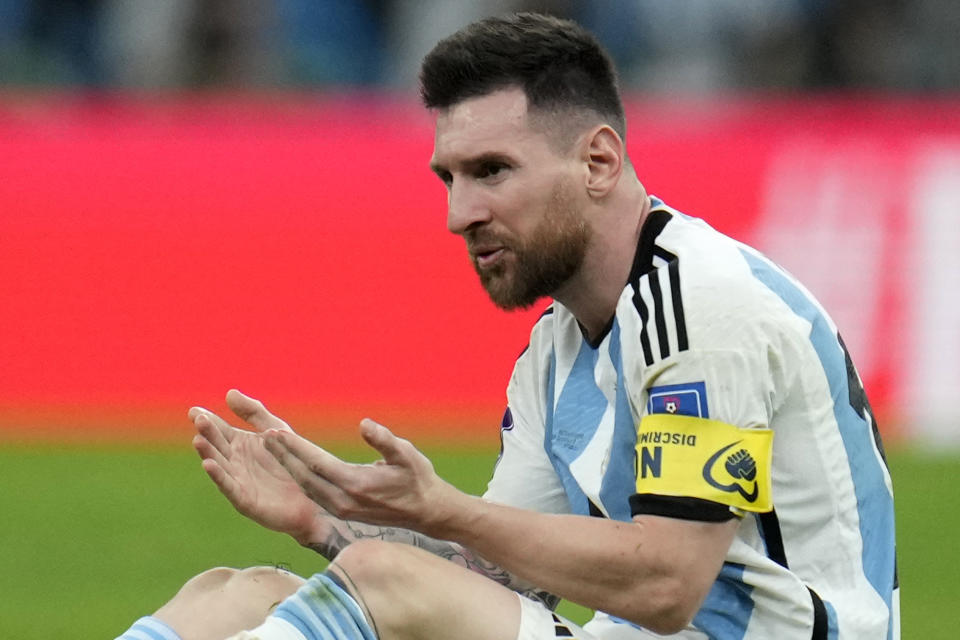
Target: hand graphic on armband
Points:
(741, 465)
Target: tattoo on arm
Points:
(333, 545)
(343, 533)
(468, 559)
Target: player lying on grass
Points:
(687, 447)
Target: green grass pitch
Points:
(92, 537)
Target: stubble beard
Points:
(543, 262)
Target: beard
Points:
(542, 262)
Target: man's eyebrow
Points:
(473, 163)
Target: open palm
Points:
(249, 475)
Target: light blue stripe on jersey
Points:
(149, 628)
(619, 481)
(321, 610)
(574, 420)
(570, 427)
(728, 606)
(874, 503)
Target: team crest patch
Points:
(687, 399)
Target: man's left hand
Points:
(402, 489)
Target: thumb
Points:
(253, 412)
(382, 439)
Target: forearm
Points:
(555, 551)
(654, 571)
(341, 533)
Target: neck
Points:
(592, 294)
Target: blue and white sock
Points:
(149, 628)
(320, 610)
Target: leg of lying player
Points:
(379, 590)
(373, 591)
(216, 604)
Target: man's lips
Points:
(487, 256)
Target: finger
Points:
(200, 411)
(227, 430)
(213, 434)
(208, 451)
(317, 459)
(224, 481)
(306, 474)
(253, 412)
(382, 439)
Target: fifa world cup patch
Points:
(687, 399)
(686, 456)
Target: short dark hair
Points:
(559, 65)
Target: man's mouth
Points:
(488, 257)
(485, 255)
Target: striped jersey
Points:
(720, 389)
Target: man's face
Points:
(512, 196)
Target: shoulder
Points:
(694, 287)
(705, 259)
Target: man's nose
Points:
(465, 208)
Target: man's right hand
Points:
(249, 475)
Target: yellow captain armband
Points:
(692, 457)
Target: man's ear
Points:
(604, 154)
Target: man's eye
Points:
(492, 170)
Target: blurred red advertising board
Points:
(155, 252)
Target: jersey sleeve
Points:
(704, 449)
(524, 475)
(708, 375)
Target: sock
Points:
(320, 610)
(149, 628)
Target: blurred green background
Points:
(93, 536)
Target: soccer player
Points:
(687, 447)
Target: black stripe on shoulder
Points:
(658, 315)
(647, 250)
(641, 307)
(643, 259)
(674, 269)
(642, 265)
(673, 272)
(683, 508)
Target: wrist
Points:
(317, 531)
(454, 517)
